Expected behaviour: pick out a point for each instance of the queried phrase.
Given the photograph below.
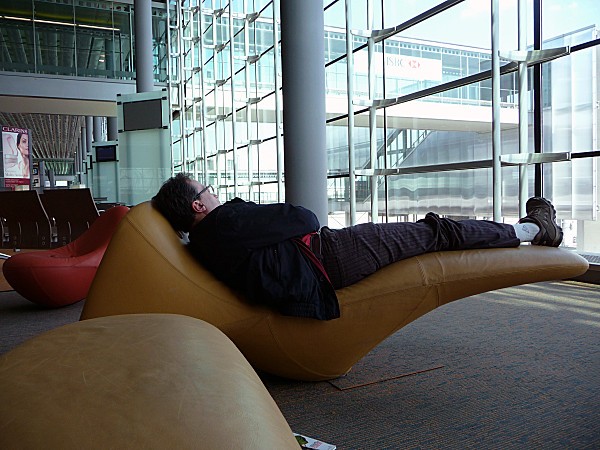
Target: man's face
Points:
(207, 198)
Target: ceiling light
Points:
(53, 22)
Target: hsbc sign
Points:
(398, 66)
(407, 63)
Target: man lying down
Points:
(278, 255)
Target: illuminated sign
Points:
(16, 156)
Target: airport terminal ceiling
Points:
(53, 136)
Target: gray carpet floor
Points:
(520, 368)
(20, 319)
(515, 368)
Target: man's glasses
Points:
(208, 188)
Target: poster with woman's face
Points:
(16, 155)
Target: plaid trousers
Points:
(352, 253)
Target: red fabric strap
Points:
(304, 246)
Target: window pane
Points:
(560, 17)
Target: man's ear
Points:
(198, 207)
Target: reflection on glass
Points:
(560, 17)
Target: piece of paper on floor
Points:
(307, 442)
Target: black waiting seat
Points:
(26, 224)
(5, 233)
(73, 211)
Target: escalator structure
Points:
(406, 143)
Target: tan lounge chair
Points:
(139, 381)
(147, 269)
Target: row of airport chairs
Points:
(48, 220)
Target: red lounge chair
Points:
(62, 276)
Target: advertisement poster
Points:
(16, 156)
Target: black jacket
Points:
(252, 249)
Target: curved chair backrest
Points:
(148, 261)
(147, 269)
(100, 232)
(73, 210)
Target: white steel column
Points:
(523, 108)
(496, 137)
(278, 125)
(350, 82)
(372, 116)
(233, 111)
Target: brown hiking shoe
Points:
(541, 212)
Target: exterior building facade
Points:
(418, 119)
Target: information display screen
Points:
(142, 115)
(105, 153)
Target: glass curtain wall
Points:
(410, 110)
(410, 106)
(226, 97)
(76, 38)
